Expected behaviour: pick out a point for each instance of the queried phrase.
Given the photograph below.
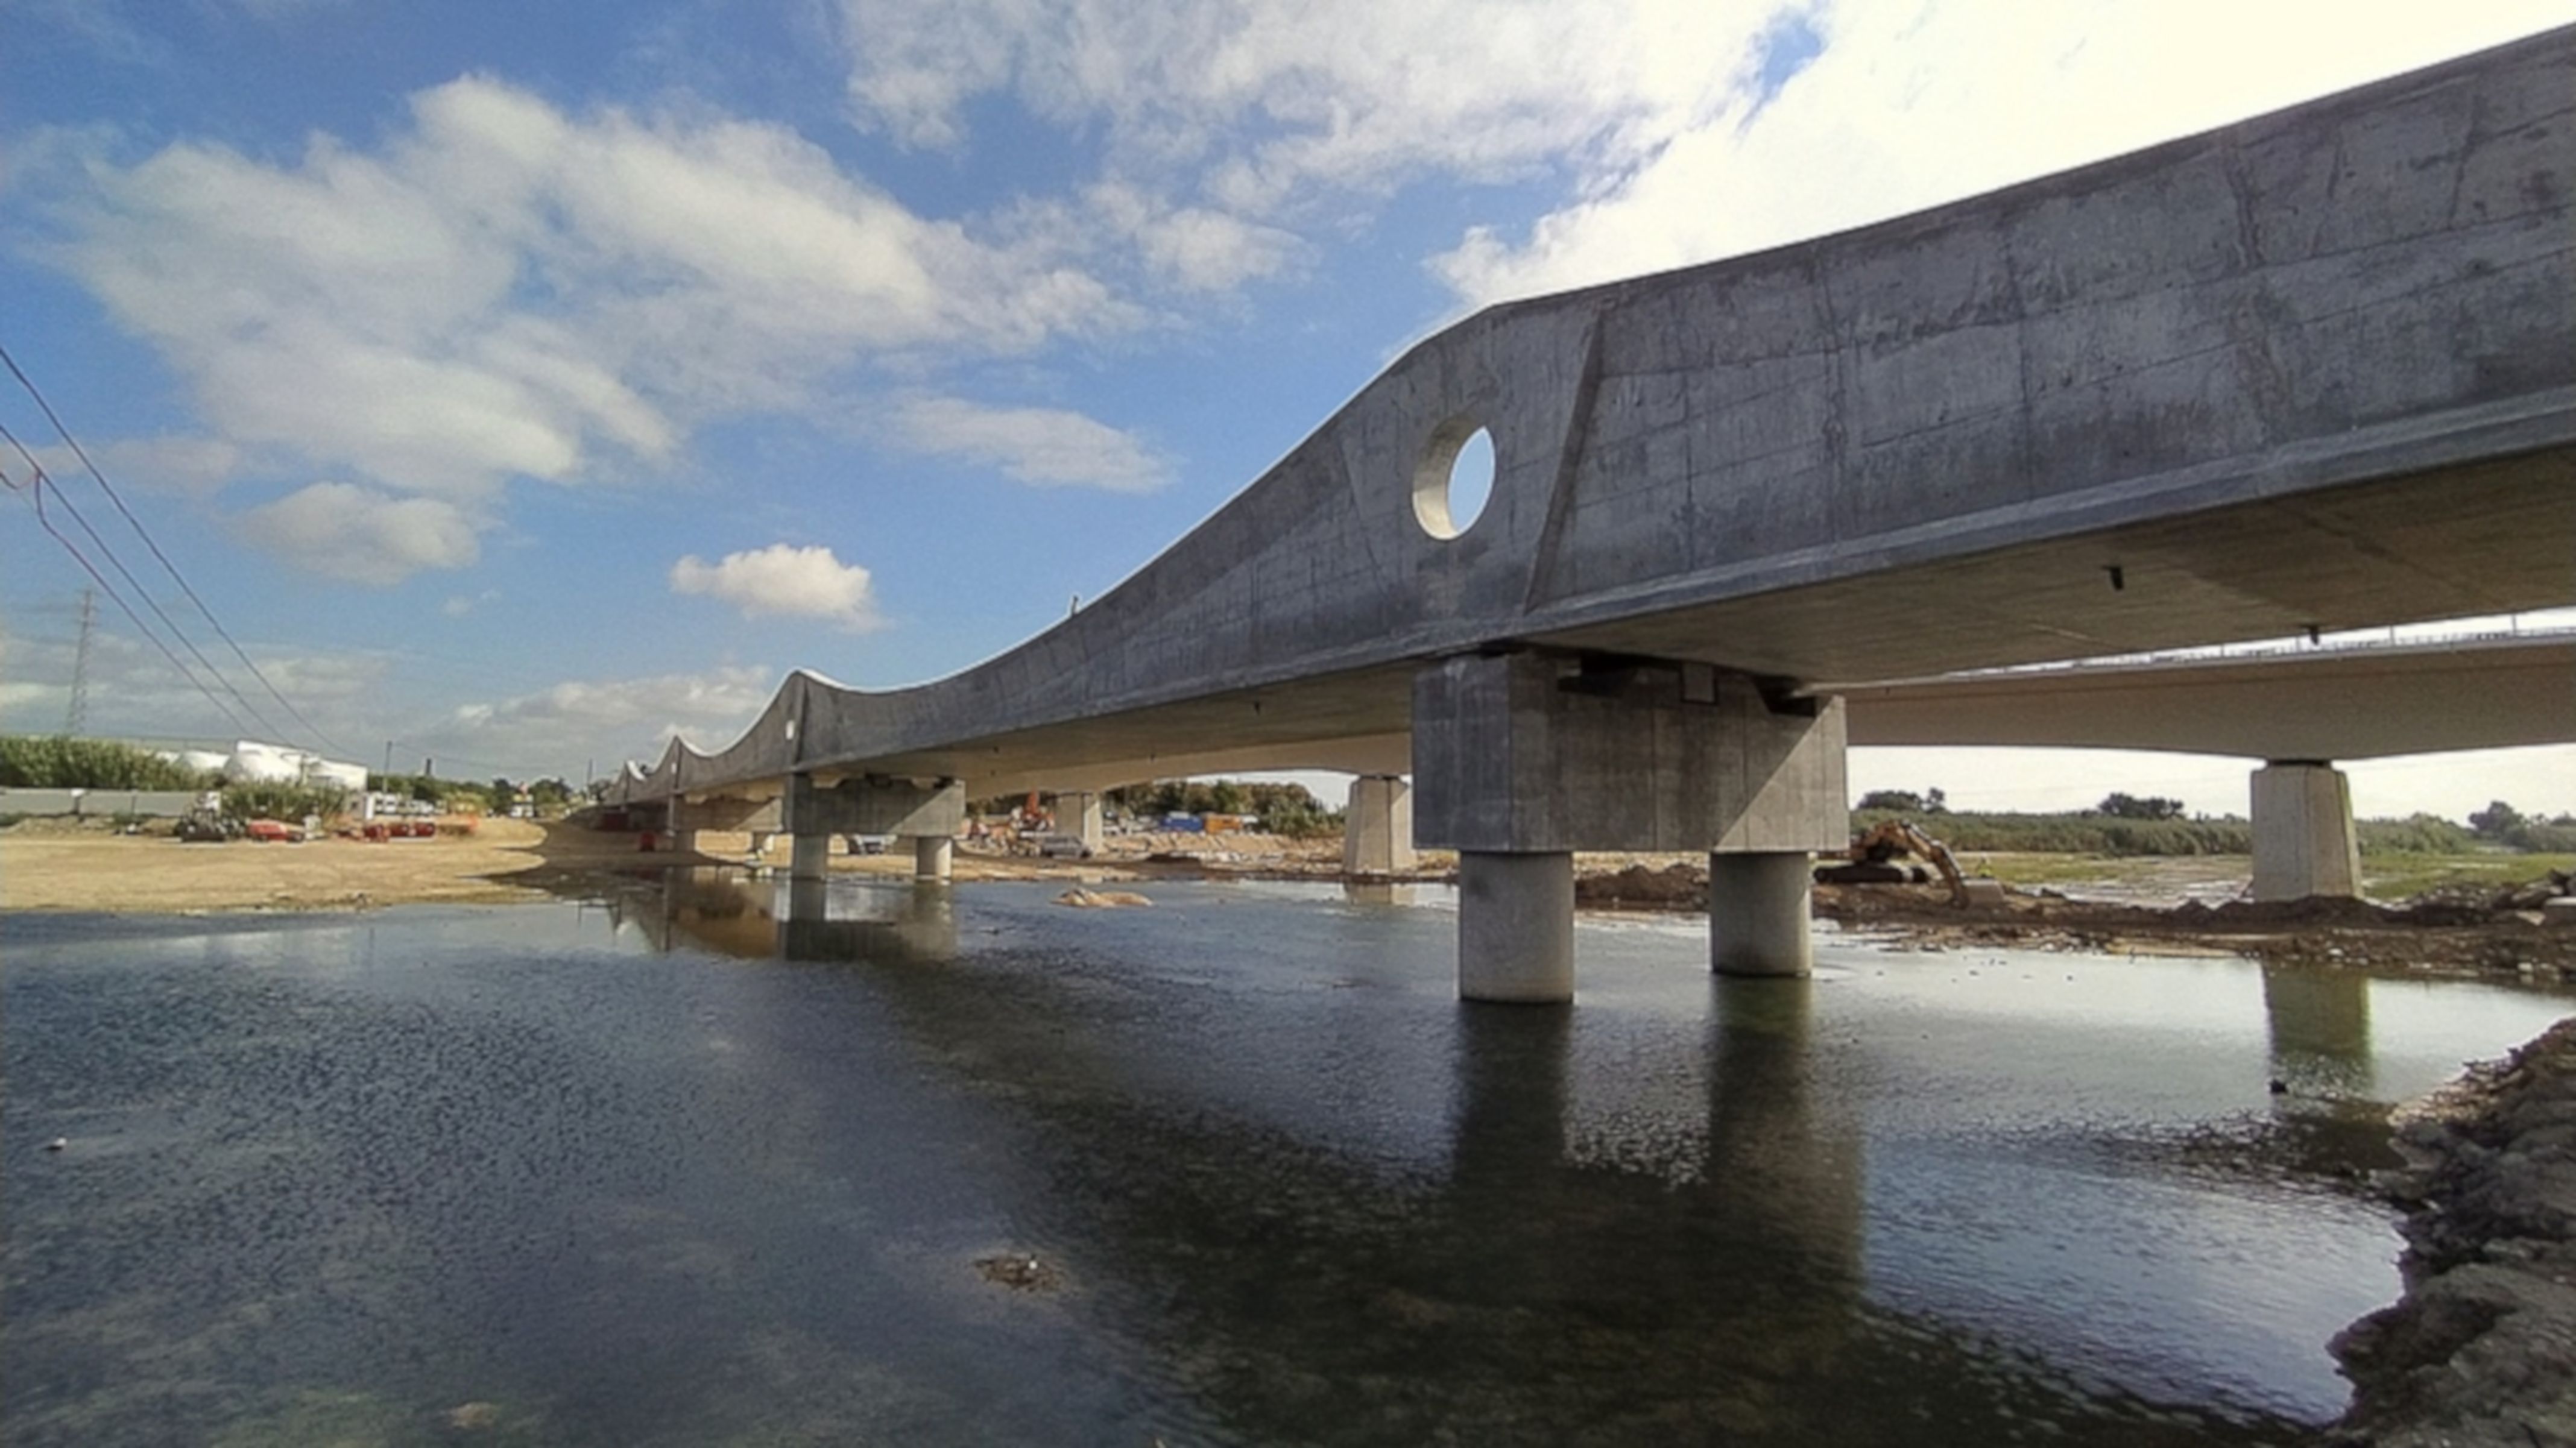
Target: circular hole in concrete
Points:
(1455, 478)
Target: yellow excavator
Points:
(1873, 851)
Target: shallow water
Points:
(669, 1170)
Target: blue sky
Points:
(520, 383)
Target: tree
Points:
(2496, 821)
(2130, 807)
(1903, 801)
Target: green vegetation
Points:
(2079, 834)
(34, 761)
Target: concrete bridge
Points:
(2312, 371)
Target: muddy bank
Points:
(2447, 932)
(2482, 1348)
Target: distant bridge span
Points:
(2309, 371)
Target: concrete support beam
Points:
(1555, 752)
(1758, 909)
(1516, 927)
(874, 806)
(2304, 843)
(726, 812)
(934, 857)
(1377, 827)
(1519, 758)
(1078, 814)
(809, 857)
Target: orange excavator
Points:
(1874, 851)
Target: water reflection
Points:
(800, 920)
(2320, 1026)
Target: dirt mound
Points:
(1644, 887)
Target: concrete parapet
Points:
(1516, 927)
(1377, 827)
(1545, 752)
(2304, 843)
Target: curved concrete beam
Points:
(2311, 369)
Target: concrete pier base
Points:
(1078, 815)
(809, 857)
(1758, 908)
(1377, 827)
(2304, 842)
(934, 857)
(1516, 927)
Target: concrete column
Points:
(809, 857)
(2303, 837)
(1377, 827)
(933, 856)
(1078, 815)
(1758, 906)
(684, 842)
(1516, 927)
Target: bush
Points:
(30, 761)
(280, 801)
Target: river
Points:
(663, 1169)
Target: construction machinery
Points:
(1870, 860)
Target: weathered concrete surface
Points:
(1534, 752)
(2345, 703)
(1377, 827)
(1516, 927)
(2307, 370)
(1757, 914)
(2304, 841)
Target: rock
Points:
(58, 1143)
(1082, 899)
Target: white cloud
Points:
(360, 535)
(505, 289)
(614, 718)
(783, 581)
(1265, 100)
(1044, 446)
(1912, 103)
(194, 466)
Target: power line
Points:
(137, 524)
(35, 494)
(43, 480)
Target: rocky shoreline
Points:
(2481, 1350)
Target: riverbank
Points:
(2482, 1349)
(85, 866)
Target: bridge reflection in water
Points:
(1549, 1225)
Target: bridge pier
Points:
(1516, 926)
(1759, 905)
(1521, 759)
(1377, 827)
(934, 857)
(868, 805)
(2304, 843)
(1078, 814)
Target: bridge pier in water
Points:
(934, 857)
(1377, 827)
(870, 805)
(1520, 759)
(2304, 841)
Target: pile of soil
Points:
(2482, 1348)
